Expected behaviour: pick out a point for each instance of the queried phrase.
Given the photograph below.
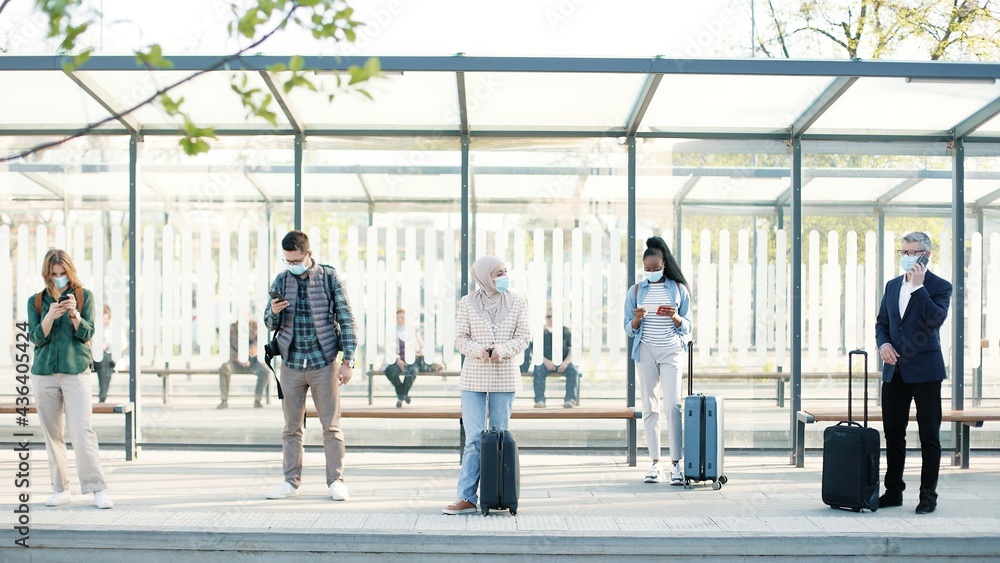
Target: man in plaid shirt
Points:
(310, 335)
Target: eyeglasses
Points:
(548, 316)
(295, 262)
(910, 253)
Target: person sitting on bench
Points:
(546, 366)
(234, 365)
(399, 373)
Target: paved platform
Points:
(210, 506)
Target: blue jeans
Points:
(473, 412)
(572, 383)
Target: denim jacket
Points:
(678, 294)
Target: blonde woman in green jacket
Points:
(62, 379)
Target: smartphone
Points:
(923, 260)
(278, 296)
(664, 310)
(64, 298)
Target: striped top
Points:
(658, 331)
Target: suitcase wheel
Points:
(835, 506)
(716, 485)
(486, 511)
(723, 479)
(513, 511)
(856, 509)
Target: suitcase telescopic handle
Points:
(850, 379)
(690, 367)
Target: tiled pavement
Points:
(184, 505)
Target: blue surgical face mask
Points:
(60, 281)
(299, 269)
(502, 283)
(907, 262)
(654, 276)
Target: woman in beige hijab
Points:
(491, 331)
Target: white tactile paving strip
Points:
(501, 521)
(339, 522)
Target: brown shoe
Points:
(460, 506)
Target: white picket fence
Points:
(197, 279)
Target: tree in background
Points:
(253, 23)
(877, 29)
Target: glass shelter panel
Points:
(386, 213)
(65, 198)
(563, 239)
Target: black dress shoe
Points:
(889, 500)
(926, 507)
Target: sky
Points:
(569, 28)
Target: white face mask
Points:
(654, 276)
(60, 281)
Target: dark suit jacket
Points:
(917, 335)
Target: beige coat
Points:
(473, 334)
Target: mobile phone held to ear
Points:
(276, 295)
(923, 260)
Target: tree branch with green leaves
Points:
(333, 20)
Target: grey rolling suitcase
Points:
(851, 453)
(703, 427)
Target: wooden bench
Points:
(165, 373)
(971, 418)
(628, 414)
(372, 373)
(127, 409)
(780, 377)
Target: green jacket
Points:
(64, 350)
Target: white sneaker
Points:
(338, 491)
(101, 500)
(676, 475)
(655, 474)
(60, 498)
(283, 490)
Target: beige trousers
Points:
(326, 397)
(70, 394)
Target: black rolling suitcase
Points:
(851, 455)
(499, 469)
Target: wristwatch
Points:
(348, 363)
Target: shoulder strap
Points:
(328, 273)
(78, 293)
(38, 302)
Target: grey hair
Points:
(917, 236)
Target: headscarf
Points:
(492, 305)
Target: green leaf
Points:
(153, 57)
(296, 63)
(193, 146)
(171, 106)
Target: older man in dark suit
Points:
(908, 334)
